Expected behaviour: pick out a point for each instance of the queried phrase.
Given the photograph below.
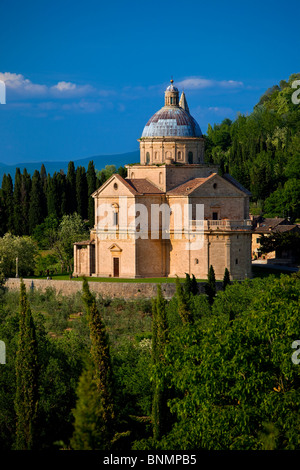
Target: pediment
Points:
(115, 248)
(217, 186)
(114, 186)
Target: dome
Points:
(172, 121)
(171, 88)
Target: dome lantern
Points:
(171, 95)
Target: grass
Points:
(262, 272)
(156, 280)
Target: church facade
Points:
(173, 214)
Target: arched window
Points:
(190, 157)
(132, 175)
(155, 155)
(147, 158)
(179, 155)
(115, 208)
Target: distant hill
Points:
(100, 161)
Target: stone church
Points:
(170, 177)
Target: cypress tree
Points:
(26, 399)
(94, 422)
(17, 214)
(71, 189)
(51, 197)
(36, 202)
(194, 286)
(8, 205)
(25, 200)
(160, 411)
(187, 284)
(91, 184)
(210, 286)
(226, 279)
(182, 302)
(81, 192)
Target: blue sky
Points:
(83, 78)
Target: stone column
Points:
(206, 253)
(227, 253)
(88, 260)
(75, 259)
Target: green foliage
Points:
(282, 242)
(36, 213)
(226, 279)
(71, 229)
(182, 298)
(12, 247)
(82, 192)
(26, 401)
(232, 376)
(94, 412)
(261, 150)
(91, 186)
(159, 340)
(210, 286)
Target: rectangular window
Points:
(215, 216)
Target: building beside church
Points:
(171, 176)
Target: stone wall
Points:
(125, 290)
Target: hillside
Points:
(262, 151)
(100, 161)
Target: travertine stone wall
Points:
(125, 290)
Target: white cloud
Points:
(63, 86)
(18, 83)
(198, 83)
(25, 88)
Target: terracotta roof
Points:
(85, 242)
(143, 186)
(286, 228)
(269, 224)
(189, 186)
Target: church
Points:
(173, 214)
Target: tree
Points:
(160, 412)
(17, 214)
(36, 214)
(236, 385)
(210, 286)
(26, 402)
(71, 189)
(7, 205)
(91, 185)
(71, 229)
(187, 284)
(25, 200)
(194, 286)
(226, 279)
(182, 303)
(12, 247)
(81, 192)
(94, 413)
(287, 242)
